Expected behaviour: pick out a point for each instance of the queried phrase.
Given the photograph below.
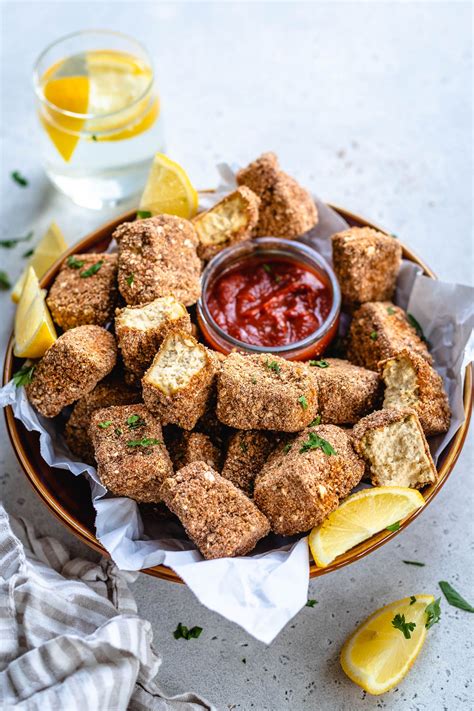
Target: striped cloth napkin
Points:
(70, 637)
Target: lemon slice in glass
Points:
(169, 190)
(34, 329)
(48, 249)
(379, 654)
(359, 517)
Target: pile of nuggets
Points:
(240, 445)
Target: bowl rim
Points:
(162, 571)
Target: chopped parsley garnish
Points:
(316, 442)
(374, 335)
(92, 269)
(272, 365)
(414, 324)
(244, 447)
(24, 375)
(94, 138)
(118, 431)
(414, 562)
(130, 279)
(9, 243)
(267, 268)
(244, 661)
(105, 424)
(28, 253)
(143, 214)
(390, 310)
(303, 402)
(5, 282)
(254, 380)
(19, 178)
(315, 422)
(412, 600)
(182, 632)
(454, 598)
(144, 442)
(278, 278)
(287, 447)
(433, 613)
(393, 526)
(319, 363)
(311, 603)
(135, 421)
(405, 627)
(74, 263)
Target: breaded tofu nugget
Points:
(378, 331)
(247, 452)
(231, 220)
(196, 447)
(366, 263)
(265, 392)
(140, 331)
(346, 392)
(132, 459)
(71, 368)
(217, 516)
(178, 384)
(286, 209)
(84, 291)
(157, 257)
(111, 391)
(395, 449)
(411, 382)
(301, 484)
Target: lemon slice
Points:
(48, 249)
(34, 329)
(169, 190)
(377, 656)
(69, 94)
(359, 517)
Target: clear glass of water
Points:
(99, 116)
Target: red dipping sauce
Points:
(270, 302)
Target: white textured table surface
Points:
(369, 105)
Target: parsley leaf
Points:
(19, 178)
(74, 263)
(135, 421)
(414, 562)
(28, 253)
(311, 603)
(454, 598)
(24, 375)
(94, 137)
(272, 365)
(303, 402)
(243, 447)
(130, 279)
(182, 632)
(144, 442)
(393, 526)
(390, 310)
(433, 613)
(267, 268)
(374, 335)
(316, 442)
(254, 381)
(92, 269)
(9, 243)
(287, 447)
(118, 431)
(319, 363)
(105, 424)
(315, 422)
(143, 214)
(5, 282)
(405, 627)
(412, 600)
(414, 324)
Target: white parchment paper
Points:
(261, 592)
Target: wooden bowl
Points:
(69, 497)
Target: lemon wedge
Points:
(34, 329)
(48, 249)
(359, 517)
(169, 190)
(378, 655)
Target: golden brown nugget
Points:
(412, 382)
(84, 291)
(265, 392)
(140, 331)
(132, 459)
(111, 391)
(179, 382)
(230, 221)
(286, 209)
(157, 257)
(346, 392)
(395, 449)
(217, 516)
(71, 368)
(301, 483)
(378, 331)
(246, 454)
(196, 447)
(366, 263)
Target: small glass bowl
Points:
(267, 248)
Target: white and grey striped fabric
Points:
(70, 637)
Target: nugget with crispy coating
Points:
(378, 331)
(346, 392)
(217, 516)
(301, 484)
(195, 447)
(140, 331)
(286, 209)
(366, 263)
(84, 291)
(71, 368)
(394, 447)
(178, 384)
(111, 391)
(157, 257)
(412, 382)
(265, 392)
(132, 459)
(231, 220)
(246, 454)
